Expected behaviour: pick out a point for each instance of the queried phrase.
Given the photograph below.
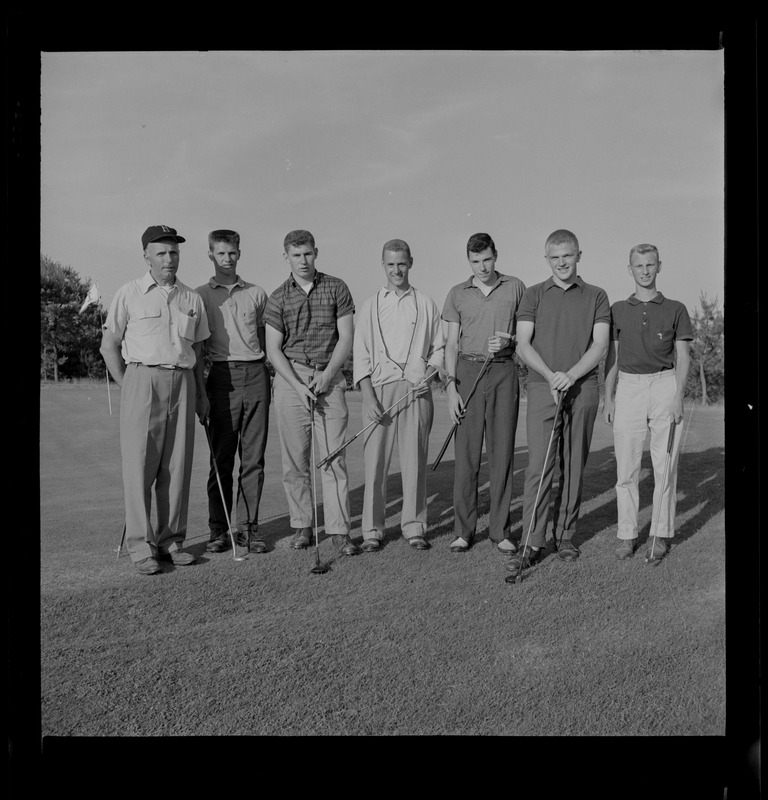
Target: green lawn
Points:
(396, 642)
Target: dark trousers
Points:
(570, 447)
(239, 393)
(491, 413)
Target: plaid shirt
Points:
(308, 321)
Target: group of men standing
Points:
(158, 332)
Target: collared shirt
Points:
(480, 315)
(563, 319)
(235, 314)
(371, 355)
(308, 321)
(647, 332)
(397, 318)
(157, 326)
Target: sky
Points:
(359, 147)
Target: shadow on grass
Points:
(700, 489)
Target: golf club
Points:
(319, 568)
(122, 541)
(670, 442)
(331, 456)
(221, 492)
(519, 575)
(448, 438)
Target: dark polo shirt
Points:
(647, 331)
(480, 316)
(563, 321)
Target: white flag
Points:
(92, 297)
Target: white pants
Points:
(644, 402)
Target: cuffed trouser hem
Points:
(378, 535)
(626, 534)
(413, 531)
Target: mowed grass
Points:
(398, 642)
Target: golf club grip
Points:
(671, 439)
(445, 446)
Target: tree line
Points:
(70, 339)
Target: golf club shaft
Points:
(448, 438)
(670, 443)
(221, 489)
(386, 411)
(560, 396)
(314, 485)
(122, 540)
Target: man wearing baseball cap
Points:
(151, 345)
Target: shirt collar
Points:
(550, 282)
(633, 300)
(468, 284)
(292, 281)
(385, 291)
(238, 282)
(147, 282)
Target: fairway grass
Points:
(398, 642)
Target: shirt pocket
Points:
(663, 339)
(186, 325)
(147, 321)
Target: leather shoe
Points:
(370, 545)
(302, 539)
(567, 551)
(626, 549)
(256, 545)
(147, 566)
(459, 545)
(181, 558)
(524, 559)
(506, 546)
(419, 543)
(218, 543)
(659, 547)
(345, 545)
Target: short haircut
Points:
(396, 246)
(561, 236)
(298, 238)
(223, 235)
(642, 249)
(479, 242)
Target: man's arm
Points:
(611, 371)
(111, 352)
(524, 333)
(455, 403)
(682, 365)
(202, 404)
(274, 343)
(320, 383)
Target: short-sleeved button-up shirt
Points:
(480, 316)
(235, 314)
(157, 325)
(308, 320)
(563, 320)
(647, 332)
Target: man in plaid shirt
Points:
(309, 331)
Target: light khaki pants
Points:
(643, 403)
(408, 424)
(157, 426)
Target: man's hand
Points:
(677, 410)
(320, 382)
(560, 382)
(373, 411)
(202, 407)
(609, 410)
(306, 396)
(498, 341)
(456, 406)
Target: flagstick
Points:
(109, 391)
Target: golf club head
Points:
(320, 569)
(514, 578)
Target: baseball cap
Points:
(155, 232)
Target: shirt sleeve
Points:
(526, 311)
(202, 331)
(602, 307)
(683, 327)
(361, 347)
(117, 316)
(273, 315)
(450, 312)
(614, 323)
(260, 302)
(344, 303)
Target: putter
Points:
(670, 443)
(319, 568)
(122, 541)
(518, 577)
(331, 456)
(221, 492)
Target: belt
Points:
(158, 366)
(498, 359)
(307, 363)
(237, 363)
